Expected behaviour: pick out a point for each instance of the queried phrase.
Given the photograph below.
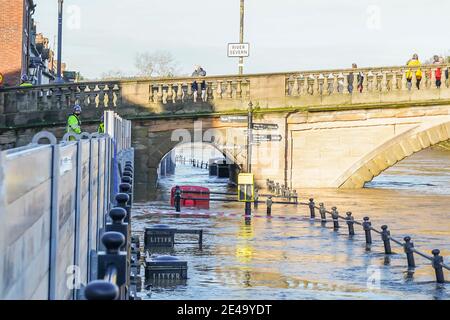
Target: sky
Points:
(100, 36)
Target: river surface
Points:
(289, 257)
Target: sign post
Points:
(246, 191)
(249, 137)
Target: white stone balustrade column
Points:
(170, 95)
(345, 89)
(315, 88)
(325, 86)
(335, 83)
(159, 95)
(180, 92)
(295, 87)
(384, 84)
(219, 89)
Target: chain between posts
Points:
(437, 260)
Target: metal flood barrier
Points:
(54, 199)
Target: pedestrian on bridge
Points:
(73, 122)
(414, 62)
(199, 72)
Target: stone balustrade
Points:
(384, 79)
(181, 89)
(18, 101)
(159, 96)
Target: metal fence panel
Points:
(84, 211)
(25, 228)
(66, 207)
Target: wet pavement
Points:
(280, 258)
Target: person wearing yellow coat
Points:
(414, 62)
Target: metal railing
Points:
(116, 261)
(436, 259)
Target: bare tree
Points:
(156, 64)
(113, 75)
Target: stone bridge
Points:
(330, 137)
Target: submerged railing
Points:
(281, 191)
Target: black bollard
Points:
(122, 200)
(335, 216)
(127, 180)
(367, 226)
(127, 174)
(177, 199)
(323, 214)
(350, 223)
(126, 188)
(269, 203)
(312, 208)
(385, 236)
(409, 247)
(248, 209)
(437, 265)
(114, 258)
(117, 216)
(101, 290)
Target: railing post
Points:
(323, 214)
(122, 200)
(117, 216)
(269, 203)
(177, 199)
(312, 208)
(409, 247)
(385, 236)
(335, 216)
(350, 223)
(101, 290)
(437, 265)
(367, 225)
(113, 257)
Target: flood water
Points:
(289, 257)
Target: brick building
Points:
(15, 29)
(22, 49)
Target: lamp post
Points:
(241, 36)
(249, 137)
(59, 78)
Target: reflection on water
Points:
(282, 259)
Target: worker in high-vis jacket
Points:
(73, 122)
(101, 127)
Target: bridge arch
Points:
(393, 151)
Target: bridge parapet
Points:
(382, 79)
(162, 96)
(20, 106)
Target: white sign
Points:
(238, 50)
(230, 119)
(65, 165)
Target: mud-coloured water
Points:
(279, 258)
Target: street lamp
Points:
(59, 78)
